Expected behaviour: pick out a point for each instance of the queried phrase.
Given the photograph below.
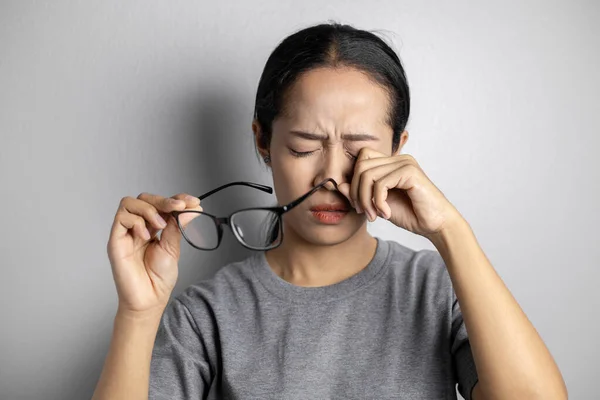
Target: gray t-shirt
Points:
(394, 330)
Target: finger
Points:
(365, 190)
(366, 164)
(170, 238)
(380, 192)
(145, 210)
(192, 204)
(190, 201)
(129, 205)
(366, 159)
(130, 224)
(163, 204)
(402, 178)
(187, 217)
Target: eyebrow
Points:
(354, 137)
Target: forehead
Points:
(337, 99)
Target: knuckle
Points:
(411, 168)
(380, 190)
(369, 175)
(150, 214)
(121, 214)
(148, 209)
(139, 221)
(125, 200)
(360, 165)
(166, 204)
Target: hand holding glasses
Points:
(257, 228)
(144, 266)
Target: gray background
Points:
(100, 100)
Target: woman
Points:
(331, 312)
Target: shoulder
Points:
(225, 287)
(418, 270)
(428, 261)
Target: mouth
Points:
(333, 207)
(330, 214)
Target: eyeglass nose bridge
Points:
(235, 229)
(220, 222)
(226, 221)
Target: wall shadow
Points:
(218, 139)
(215, 142)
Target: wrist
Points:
(139, 317)
(454, 227)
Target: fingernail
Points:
(371, 217)
(191, 198)
(146, 234)
(358, 209)
(161, 222)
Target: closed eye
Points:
(308, 153)
(300, 153)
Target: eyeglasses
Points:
(258, 228)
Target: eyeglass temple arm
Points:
(258, 186)
(301, 199)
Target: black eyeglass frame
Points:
(221, 221)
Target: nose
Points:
(334, 164)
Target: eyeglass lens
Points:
(260, 229)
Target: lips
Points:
(333, 207)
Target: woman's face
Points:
(330, 115)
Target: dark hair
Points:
(330, 45)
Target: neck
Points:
(306, 264)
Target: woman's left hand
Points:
(397, 189)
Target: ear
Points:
(403, 140)
(258, 139)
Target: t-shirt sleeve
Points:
(462, 357)
(179, 368)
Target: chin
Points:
(324, 235)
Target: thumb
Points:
(170, 238)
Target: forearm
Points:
(126, 371)
(511, 358)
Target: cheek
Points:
(291, 179)
(296, 168)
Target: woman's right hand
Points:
(144, 266)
